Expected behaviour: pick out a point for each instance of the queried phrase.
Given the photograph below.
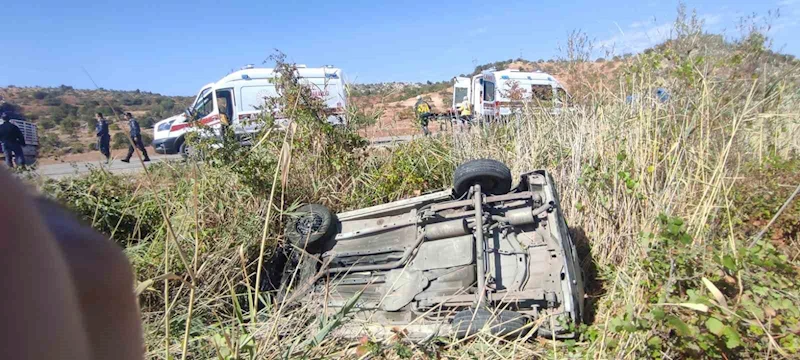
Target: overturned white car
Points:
(478, 257)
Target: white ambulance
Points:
(240, 97)
(495, 94)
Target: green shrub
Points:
(47, 124)
(119, 141)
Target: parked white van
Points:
(499, 93)
(239, 98)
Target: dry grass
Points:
(619, 167)
(678, 165)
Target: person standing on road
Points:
(13, 141)
(136, 139)
(103, 137)
(423, 111)
(466, 113)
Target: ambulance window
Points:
(460, 94)
(225, 102)
(203, 93)
(255, 97)
(488, 91)
(204, 106)
(542, 92)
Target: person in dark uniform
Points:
(136, 139)
(103, 137)
(13, 141)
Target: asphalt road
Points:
(57, 171)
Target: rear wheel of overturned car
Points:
(309, 224)
(493, 176)
(501, 323)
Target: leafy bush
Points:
(52, 101)
(69, 125)
(47, 124)
(147, 139)
(119, 141)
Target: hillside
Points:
(65, 116)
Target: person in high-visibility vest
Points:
(466, 112)
(423, 111)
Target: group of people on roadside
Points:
(422, 110)
(104, 138)
(13, 140)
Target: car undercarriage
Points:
(480, 256)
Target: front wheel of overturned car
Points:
(309, 224)
(493, 176)
(503, 322)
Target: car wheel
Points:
(470, 321)
(183, 149)
(493, 176)
(309, 224)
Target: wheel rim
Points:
(308, 224)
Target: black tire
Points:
(183, 149)
(501, 323)
(310, 224)
(493, 176)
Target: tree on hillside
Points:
(91, 124)
(52, 100)
(47, 124)
(12, 110)
(69, 125)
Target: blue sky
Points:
(174, 49)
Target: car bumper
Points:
(165, 146)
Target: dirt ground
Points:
(398, 118)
